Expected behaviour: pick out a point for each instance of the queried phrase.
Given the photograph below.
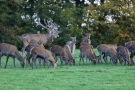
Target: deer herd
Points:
(34, 48)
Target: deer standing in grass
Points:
(42, 39)
(41, 52)
(123, 55)
(64, 54)
(28, 49)
(10, 51)
(86, 50)
(72, 45)
(107, 50)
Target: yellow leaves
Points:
(122, 34)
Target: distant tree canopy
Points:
(109, 21)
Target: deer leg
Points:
(100, 57)
(0, 60)
(44, 61)
(86, 59)
(83, 59)
(105, 58)
(35, 59)
(61, 59)
(14, 62)
(30, 56)
(80, 58)
(6, 61)
(32, 63)
(131, 56)
(125, 60)
(39, 60)
(27, 57)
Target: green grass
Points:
(79, 77)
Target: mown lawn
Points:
(79, 77)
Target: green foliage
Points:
(17, 17)
(10, 20)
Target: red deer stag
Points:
(42, 39)
(10, 50)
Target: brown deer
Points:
(128, 44)
(123, 55)
(71, 60)
(41, 52)
(107, 50)
(131, 49)
(42, 39)
(86, 39)
(64, 54)
(87, 51)
(10, 51)
(72, 45)
(28, 49)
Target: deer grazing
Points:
(72, 45)
(64, 54)
(42, 39)
(41, 52)
(123, 55)
(107, 50)
(10, 51)
(28, 49)
(86, 50)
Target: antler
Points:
(38, 23)
(49, 25)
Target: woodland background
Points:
(109, 21)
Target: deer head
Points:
(88, 35)
(73, 39)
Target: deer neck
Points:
(49, 38)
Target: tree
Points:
(111, 21)
(10, 20)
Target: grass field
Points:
(79, 77)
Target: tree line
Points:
(109, 21)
